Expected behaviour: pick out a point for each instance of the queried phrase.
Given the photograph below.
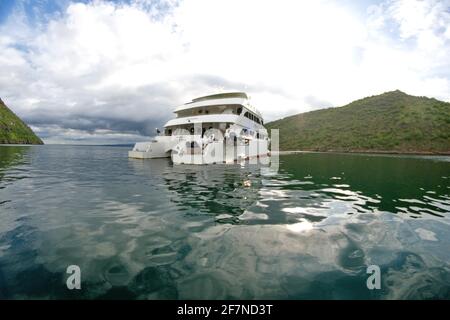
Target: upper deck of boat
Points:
(220, 99)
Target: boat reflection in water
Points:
(219, 193)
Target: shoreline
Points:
(380, 152)
(283, 152)
(20, 144)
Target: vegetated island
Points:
(13, 130)
(392, 122)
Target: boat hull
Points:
(192, 150)
(147, 155)
(220, 152)
(160, 147)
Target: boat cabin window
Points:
(216, 109)
(252, 117)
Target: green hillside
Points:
(390, 122)
(13, 130)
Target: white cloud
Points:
(123, 67)
(415, 44)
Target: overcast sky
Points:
(112, 71)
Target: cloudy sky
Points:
(112, 71)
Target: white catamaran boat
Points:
(219, 128)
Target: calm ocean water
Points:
(150, 230)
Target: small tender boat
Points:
(219, 128)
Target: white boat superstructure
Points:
(219, 128)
